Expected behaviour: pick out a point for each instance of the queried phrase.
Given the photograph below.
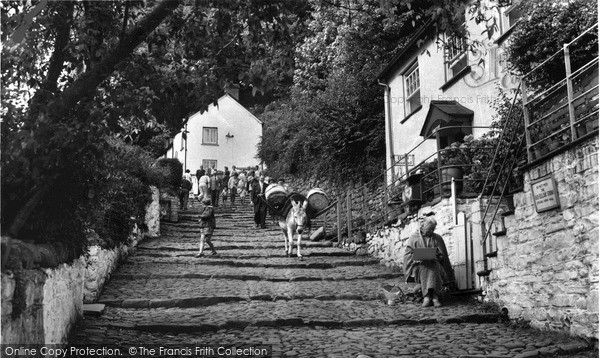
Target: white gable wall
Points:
(229, 117)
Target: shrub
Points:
(123, 191)
(172, 170)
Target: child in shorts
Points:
(208, 224)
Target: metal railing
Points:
(379, 201)
(562, 109)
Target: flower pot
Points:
(448, 174)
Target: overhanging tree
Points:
(103, 68)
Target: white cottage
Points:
(429, 85)
(225, 135)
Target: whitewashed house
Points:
(443, 83)
(225, 135)
(436, 92)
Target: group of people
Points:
(208, 185)
(432, 276)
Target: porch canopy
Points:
(448, 114)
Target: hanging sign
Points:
(545, 194)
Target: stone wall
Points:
(169, 207)
(40, 306)
(546, 270)
(62, 300)
(22, 307)
(388, 243)
(153, 214)
(101, 263)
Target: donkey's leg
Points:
(290, 236)
(298, 247)
(285, 242)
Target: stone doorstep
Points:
(93, 309)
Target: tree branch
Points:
(125, 19)
(62, 23)
(86, 85)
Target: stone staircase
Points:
(252, 296)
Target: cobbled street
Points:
(252, 295)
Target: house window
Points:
(209, 163)
(412, 87)
(456, 57)
(511, 16)
(210, 135)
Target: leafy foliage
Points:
(547, 27)
(172, 169)
(119, 198)
(74, 77)
(332, 125)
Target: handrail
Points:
(554, 87)
(512, 166)
(502, 166)
(502, 136)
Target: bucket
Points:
(317, 200)
(276, 196)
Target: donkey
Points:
(294, 224)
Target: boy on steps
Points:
(208, 224)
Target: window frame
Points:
(415, 93)
(207, 163)
(455, 53)
(206, 134)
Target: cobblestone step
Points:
(468, 340)
(325, 306)
(202, 291)
(262, 273)
(311, 312)
(166, 251)
(397, 277)
(192, 243)
(311, 262)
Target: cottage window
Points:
(412, 86)
(456, 57)
(210, 135)
(510, 17)
(209, 163)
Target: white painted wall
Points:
(230, 117)
(476, 90)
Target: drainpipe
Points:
(185, 151)
(388, 123)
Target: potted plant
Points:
(453, 163)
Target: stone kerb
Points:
(547, 266)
